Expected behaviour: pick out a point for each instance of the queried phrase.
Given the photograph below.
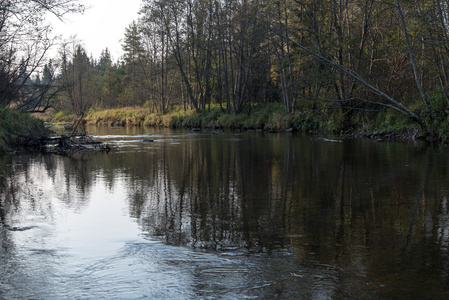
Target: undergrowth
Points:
(16, 129)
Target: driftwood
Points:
(70, 144)
(75, 142)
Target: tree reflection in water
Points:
(376, 214)
(372, 210)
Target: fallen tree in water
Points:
(64, 144)
(77, 141)
(20, 131)
(70, 144)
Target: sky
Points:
(102, 25)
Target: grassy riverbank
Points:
(19, 129)
(271, 117)
(268, 118)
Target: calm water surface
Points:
(196, 215)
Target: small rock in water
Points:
(147, 141)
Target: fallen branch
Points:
(70, 144)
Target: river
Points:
(236, 215)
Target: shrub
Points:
(231, 121)
(257, 120)
(305, 121)
(436, 126)
(18, 129)
(210, 118)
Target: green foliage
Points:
(277, 121)
(191, 121)
(391, 121)
(17, 129)
(232, 121)
(260, 116)
(210, 118)
(305, 121)
(437, 127)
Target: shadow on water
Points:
(230, 216)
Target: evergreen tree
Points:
(77, 79)
(136, 89)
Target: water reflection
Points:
(231, 215)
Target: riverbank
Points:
(270, 118)
(20, 130)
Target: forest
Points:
(347, 64)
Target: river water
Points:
(197, 215)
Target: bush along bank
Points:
(20, 130)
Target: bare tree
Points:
(412, 59)
(25, 39)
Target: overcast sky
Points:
(102, 25)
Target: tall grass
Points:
(268, 117)
(128, 116)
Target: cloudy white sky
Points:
(102, 25)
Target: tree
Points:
(77, 78)
(107, 80)
(38, 95)
(24, 43)
(156, 47)
(344, 57)
(136, 66)
(412, 59)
